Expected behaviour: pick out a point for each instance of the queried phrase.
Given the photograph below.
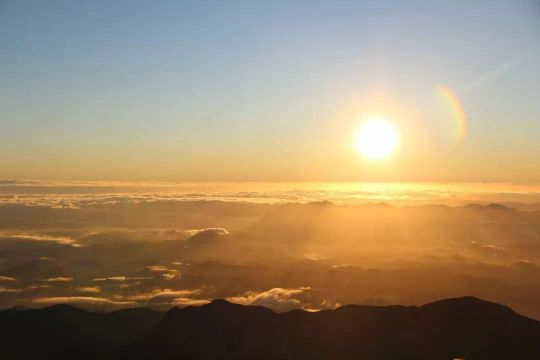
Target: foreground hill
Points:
(467, 328)
(63, 331)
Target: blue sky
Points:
(247, 90)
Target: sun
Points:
(376, 139)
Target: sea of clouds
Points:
(312, 246)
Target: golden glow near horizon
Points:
(376, 139)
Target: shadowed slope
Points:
(466, 327)
(63, 329)
(463, 327)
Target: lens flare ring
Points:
(458, 113)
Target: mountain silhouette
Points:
(461, 328)
(63, 331)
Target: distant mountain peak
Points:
(219, 302)
(496, 206)
(491, 206)
(465, 301)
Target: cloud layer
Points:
(313, 256)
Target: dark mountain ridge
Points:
(467, 328)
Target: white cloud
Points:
(58, 279)
(78, 300)
(189, 302)
(64, 240)
(273, 298)
(4, 290)
(91, 194)
(111, 278)
(40, 286)
(89, 289)
(162, 295)
(214, 230)
(157, 268)
(123, 278)
(171, 275)
(166, 273)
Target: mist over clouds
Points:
(104, 251)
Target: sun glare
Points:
(376, 139)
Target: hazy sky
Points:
(274, 90)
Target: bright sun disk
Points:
(376, 139)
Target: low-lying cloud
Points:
(215, 231)
(165, 253)
(64, 240)
(78, 300)
(276, 298)
(59, 279)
